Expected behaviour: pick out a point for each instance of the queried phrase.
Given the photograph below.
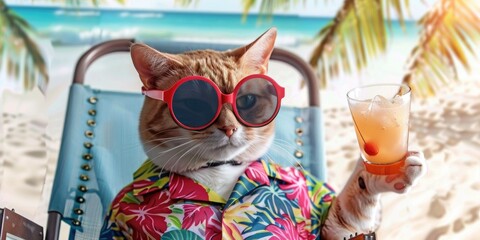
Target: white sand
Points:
(444, 205)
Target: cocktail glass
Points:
(380, 115)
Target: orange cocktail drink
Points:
(381, 117)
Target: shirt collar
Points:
(149, 178)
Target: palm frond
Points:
(268, 7)
(186, 3)
(449, 31)
(355, 35)
(19, 52)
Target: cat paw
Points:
(415, 167)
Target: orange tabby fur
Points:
(181, 150)
(176, 149)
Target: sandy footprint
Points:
(438, 232)
(461, 223)
(437, 209)
(473, 215)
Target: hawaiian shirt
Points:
(267, 202)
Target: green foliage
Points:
(186, 3)
(449, 31)
(358, 33)
(267, 7)
(355, 35)
(18, 50)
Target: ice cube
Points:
(381, 109)
(380, 101)
(397, 100)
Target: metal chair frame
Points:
(123, 45)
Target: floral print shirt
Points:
(268, 202)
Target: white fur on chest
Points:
(220, 179)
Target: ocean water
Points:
(67, 26)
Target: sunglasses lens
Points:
(195, 103)
(256, 101)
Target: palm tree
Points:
(357, 33)
(449, 31)
(19, 53)
(354, 36)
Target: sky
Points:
(323, 8)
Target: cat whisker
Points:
(202, 151)
(160, 154)
(170, 149)
(185, 151)
(286, 147)
(184, 154)
(197, 153)
(279, 142)
(169, 139)
(292, 160)
(165, 163)
(284, 142)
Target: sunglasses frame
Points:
(167, 97)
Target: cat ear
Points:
(254, 57)
(152, 64)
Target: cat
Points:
(218, 156)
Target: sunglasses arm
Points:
(281, 93)
(155, 94)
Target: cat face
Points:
(179, 150)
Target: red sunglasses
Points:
(195, 102)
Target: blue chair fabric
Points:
(101, 149)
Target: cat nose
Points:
(229, 130)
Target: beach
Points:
(444, 204)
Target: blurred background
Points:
(431, 45)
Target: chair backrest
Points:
(101, 148)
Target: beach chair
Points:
(94, 164)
